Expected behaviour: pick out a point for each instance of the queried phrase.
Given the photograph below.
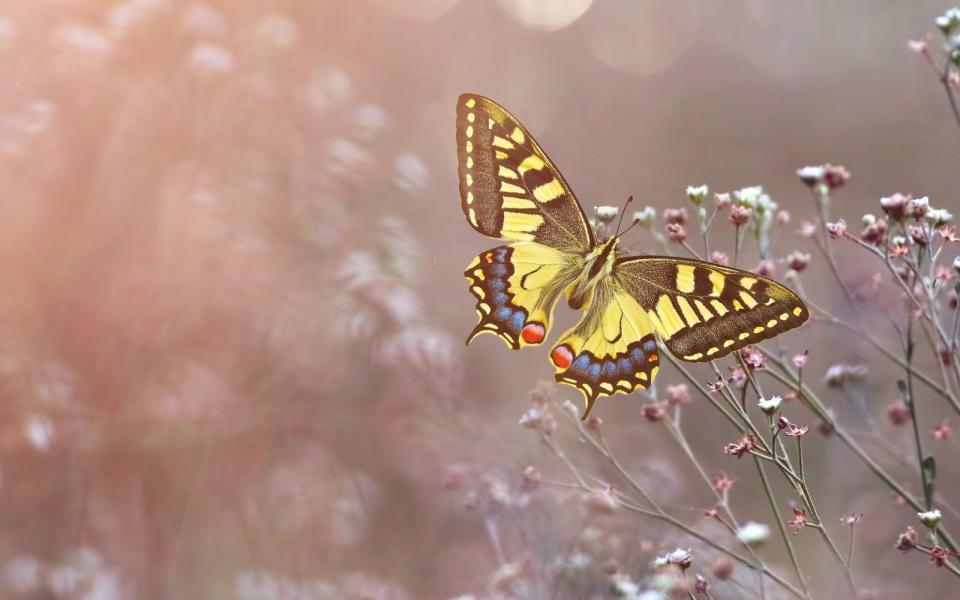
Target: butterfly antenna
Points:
(623, 211)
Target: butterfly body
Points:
(511, 190)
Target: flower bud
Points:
(798, 261)
(930, 518)
(606, 214)
(697, 194)
(645, 217)
(770, 405)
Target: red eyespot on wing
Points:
(533, 333)
(562, 356)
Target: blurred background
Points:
(232, 308)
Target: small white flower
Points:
(949, 20)
(938, 216)
(698, 193)
(869, 219)
(532, 419)
(918, 207)
(748, 196)
(811, 175)
(606, 214)
(770, 405)
(623, 587)
(646, 216)
(753, 533)
(930, 518)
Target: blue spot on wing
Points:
(497, 285)
(503, 313)
(638, 357)
(498, 270)
(518, 319)
(500, 298)
(623, 365)
(580, 363)
(593, 371)
(609, 369)
(650, 346)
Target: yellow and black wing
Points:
(516, 286)
(611, 350)
(702, 310)
(509, 188)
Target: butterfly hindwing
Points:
(509, 188)
(611, 350)
(704, 311)
(516, 286)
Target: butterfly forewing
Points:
(509, 188)
(703, 311)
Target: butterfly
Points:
(511, 190)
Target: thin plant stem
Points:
(805, 394)
(658, 513)
(781, 526)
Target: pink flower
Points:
(742, 446)
(920, 46)
(875, 232)
(753, 357)
(675, 215)
(851, 519)
(907, 540)
(600, 502)
(719, 257)
(796, 430)
(722, 482)
(898, 413)
(530, 479)
(678, 394)
(676, 233)
(799, 520)
(767, 268)
(837, 228)
(654, 411)
(942, 431)
(798, 261)
(740, 215)
(896, 205)
(939, 556)
(799, 360)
